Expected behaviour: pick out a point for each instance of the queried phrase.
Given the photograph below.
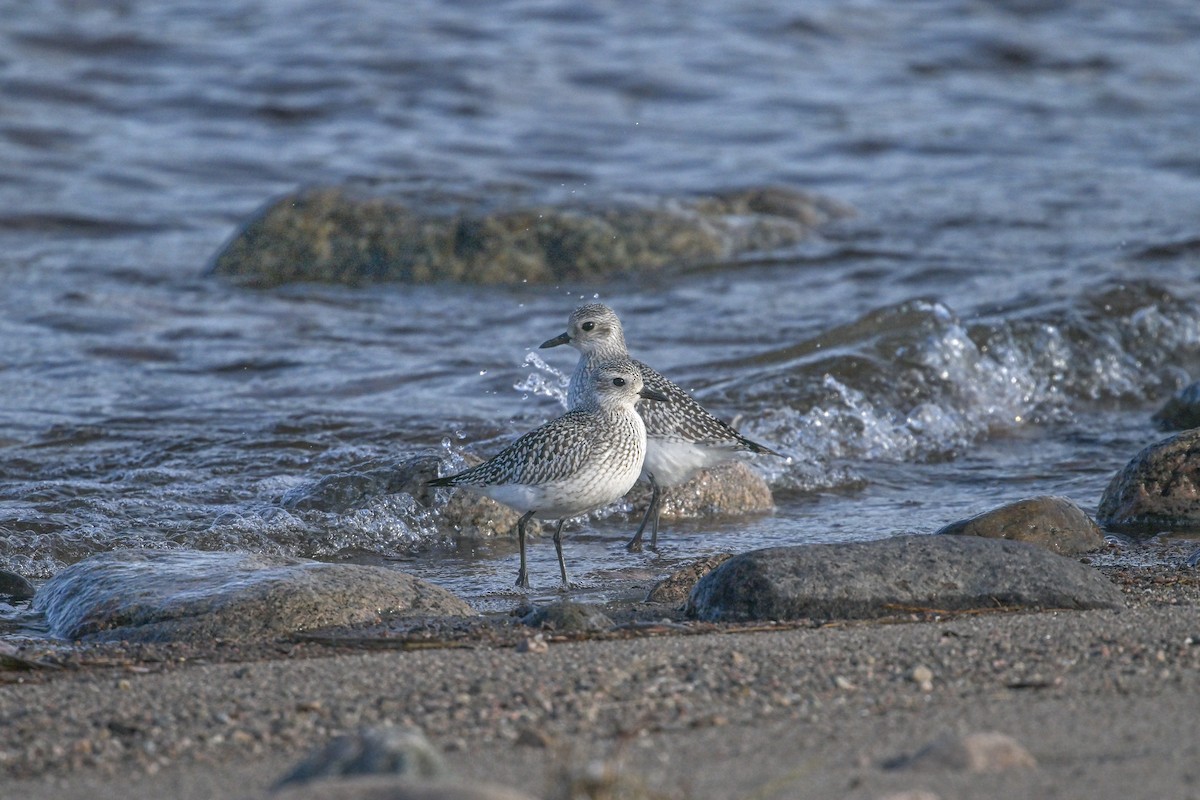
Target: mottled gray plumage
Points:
(682, 437)
(585, 459)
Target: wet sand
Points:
(1106, 701)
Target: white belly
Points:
(673, 461)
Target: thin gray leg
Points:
(562, 565)
(635, 544)
(523, 573)
(654, 530)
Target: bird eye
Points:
(587, 326)
(618, 381)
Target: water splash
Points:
(547, 381)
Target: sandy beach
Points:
(1105, 701)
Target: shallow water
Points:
(1013, 298)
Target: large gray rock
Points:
(1055, 523)
(1159, 488)
(860, 580)
(157, 596)
(329, 235)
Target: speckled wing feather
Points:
(553, 452)
(682, 417)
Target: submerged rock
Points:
(330, 236)
(466, 513)
(14, 587)
(860, 580)
(1182, 411)
(191, 596)
(1055, 523)
(1158, 489)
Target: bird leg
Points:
(562, 565)
(523, 573)
(635, 544)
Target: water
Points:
(1014, 297)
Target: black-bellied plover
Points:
(584, 460)
(682, 437)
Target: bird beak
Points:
(562, 338)
(650, 394)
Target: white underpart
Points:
(673, 461)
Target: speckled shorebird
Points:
(682, 437)
(584, 460)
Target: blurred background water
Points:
(1014, 296)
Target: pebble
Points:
(533, 644)
(979, 752)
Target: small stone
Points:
(984, 751)
(923, 677)
(676, 587)
(372, 751)
(533, 644)
(568, 617)
(397, 787)
(534, 737)
(844, 683)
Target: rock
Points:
(1158, 489)
(389, 787)
(1180, 412)
(675, 588)
(985, 751)
(158, 596)
(328, 235)
(1055, 523)
(14, 587)
(468, 514)
(533, 644)
(727, 490)
(372, 751)
(861, 580)
(337, 494)
(568, 617)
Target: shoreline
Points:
(1101, 699)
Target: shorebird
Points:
(682, 437)
(584, 460)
